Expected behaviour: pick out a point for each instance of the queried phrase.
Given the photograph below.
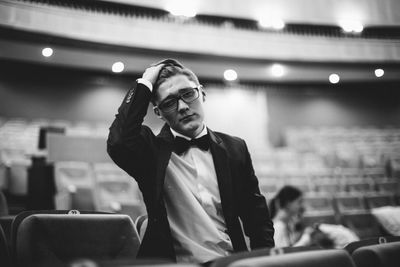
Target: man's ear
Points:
(157, 112)
(204, 95)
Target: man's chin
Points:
(190, 127)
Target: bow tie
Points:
(182, 144)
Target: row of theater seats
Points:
(361, 139)
(99, 186)
(74, 185)
(73, 238)
(310, 148)
(328, 147)
(104, 187)
(364, 214)
(313, 185)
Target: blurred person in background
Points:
(287, 209)
(196, 183)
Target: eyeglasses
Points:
(188, 95)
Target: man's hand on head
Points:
(151, 73)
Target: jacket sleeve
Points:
(129, 143)
(255, 216)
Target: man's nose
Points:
(182, 105)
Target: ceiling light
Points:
(118, 67)
(277, 70)
(379, 72)
(230, 75)
(179, 9)
(334, 78)
(351, 26)
(47, 52)
(273, 23)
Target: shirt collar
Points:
(202, 133)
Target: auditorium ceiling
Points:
(92, 35)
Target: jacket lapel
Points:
(224, 178)
(165, 149)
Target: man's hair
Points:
(171, 68)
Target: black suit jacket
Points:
(145, 157)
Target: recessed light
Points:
(181, 10)
(230, 75)
(351, 26)
(273, 23)
(379, 73)
(118, 67)
(47, 52)
(277, 70)
(334, 78)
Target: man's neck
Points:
(199, 134)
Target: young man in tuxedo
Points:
(196, 183)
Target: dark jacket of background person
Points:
(144, 156)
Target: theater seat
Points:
(116, 191)
(381, 255)
(141, 225)
(350, 248)
(16, 221)
(320, 258)
(379, 200)
(5, 222)
(58, 239)
(3, 204)
(309, 219)
(141, 263)
(227, 261)
(5, 260)
(74, 183)
(363, 224)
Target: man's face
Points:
(188, 118)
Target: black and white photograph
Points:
(199, 133)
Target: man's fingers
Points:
(151, 73)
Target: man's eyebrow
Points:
(186, 88)
(171, 96)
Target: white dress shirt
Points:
(193, 206)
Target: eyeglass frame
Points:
(179, 97)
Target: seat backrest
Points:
(23, 215)
(116, 191)
(388, 186)
(226, 261)
(318, 203)
(141, 225)
(326, 258)
(3, 204)
(379, 200)
(58, 239)
(5, 259)
(5, 222)
(359, 187)
(364, 225)
(309, 219)
(348, 203)
(114, 183)
(350, 248)
(381, 255)
(71, 173)
(74, 183)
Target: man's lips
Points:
(187, 117)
